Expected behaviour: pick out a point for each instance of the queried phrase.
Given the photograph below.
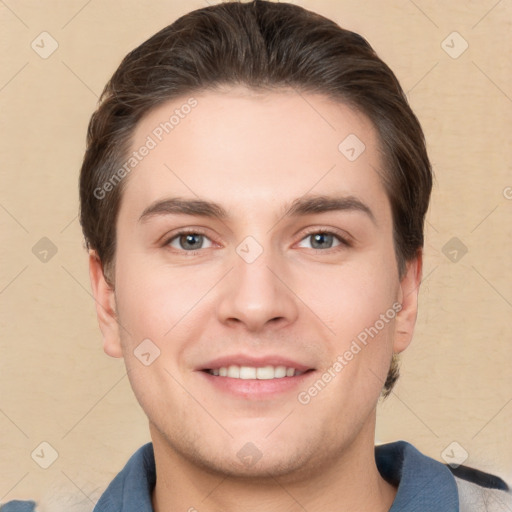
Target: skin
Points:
(254, 154)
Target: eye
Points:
(189, 241)
(323, 240)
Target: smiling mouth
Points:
(252, 372)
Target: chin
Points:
(257, 466)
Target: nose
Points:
(257, 294)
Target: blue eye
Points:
(192, 242)
(323, 240)
(189, 241)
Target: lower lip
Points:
(256, 389)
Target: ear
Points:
(105, 307)
(408, 297)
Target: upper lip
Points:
(257, 362)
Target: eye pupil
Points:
(191, 241)
(319, 240)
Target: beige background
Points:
(56, 384)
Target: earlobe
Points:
(409, 290)
(105, 306)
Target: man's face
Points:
(263, 286)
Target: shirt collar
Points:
(131, 489)
(423, 484)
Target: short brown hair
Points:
(265, 46)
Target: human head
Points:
(265, 46)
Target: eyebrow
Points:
(301, 206)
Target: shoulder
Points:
(18, 506)
(57, 498)
(130, 489)
(479, 491)
(428, 483)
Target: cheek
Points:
(356, 303)
(350, 298)
(146, 294)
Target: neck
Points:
(349, 480)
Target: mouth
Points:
(256, 382)
(268, 372)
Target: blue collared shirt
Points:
(424, 485)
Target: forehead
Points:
(254, 151)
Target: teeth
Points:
(251, 372)
(246, 372)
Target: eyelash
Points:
(343, 241)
